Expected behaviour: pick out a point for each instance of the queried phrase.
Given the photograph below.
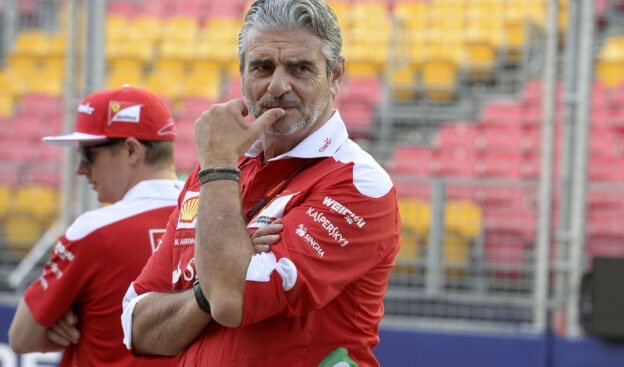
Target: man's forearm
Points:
(166, 323)
(26, 335)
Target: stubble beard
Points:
(278, 128)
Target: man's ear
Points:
(134, 149)
(337, 74)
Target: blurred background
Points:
(500, 121)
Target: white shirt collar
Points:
(324, 142)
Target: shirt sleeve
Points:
(65, 278)
(330, 240)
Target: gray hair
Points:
(288, 15)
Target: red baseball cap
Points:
(119, 113)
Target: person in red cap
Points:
(125, 141)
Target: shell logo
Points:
(189, 210)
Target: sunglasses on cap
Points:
(85, 152)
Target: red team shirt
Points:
(91, 267)
(322, 285)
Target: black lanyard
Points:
(276, 189)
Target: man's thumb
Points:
(267, 119)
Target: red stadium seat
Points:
(411, 159)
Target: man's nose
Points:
(280, 83)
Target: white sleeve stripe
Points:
(263, 264)
(130, 300)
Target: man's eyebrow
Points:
(262, 61)
(300, 62)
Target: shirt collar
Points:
(324, 142)
(155, 189)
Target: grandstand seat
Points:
(155, 8)
(503, 112)
(21, 232)
(403, 82)
(610, 63)
(602, 169)
(218, 43)
(42, 104)
(358, 118)
(5, 198)
(459, 134)
(515, 36)
(439, 80)
(456, 162)
(205, 84)
(610, 72)
(7, 105)
(40, 203)
(165, 84)
(356, 101)
(10, 172)
(479, 62)
(500, 135)
(415, 222)
(508, 235)
(225, 9)
(463, 224)
(149, 27)
(604, 234)
(122, 8)
(191, 107)
(17, 150)
(233, 88)
(184, 157)
(414, 160)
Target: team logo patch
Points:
(188, 210)
(155, 236)
(274, 210)
(86, 108)
(124, 112)
(302, 232)
(349, 216)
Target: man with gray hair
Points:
(326, 210)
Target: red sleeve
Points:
(333, 239)
(65, 279)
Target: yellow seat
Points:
(439, 80)
(219, 43)
(150, 27)
(610, 73)
(165, 84)
(204, 84)
(5, 196)
(463, 224)
(21, 232)
(415, 221)
(479, 62)
(119, 77)
(46, 82)
(31, 42)
(403, 83)
(37, 201)
(464, 218)
(7, 105)
(613, 49)
(514, 40)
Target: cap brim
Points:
(72, 138)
